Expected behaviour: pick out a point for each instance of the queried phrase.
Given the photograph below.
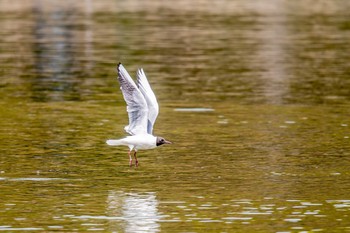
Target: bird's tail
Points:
(114, 142)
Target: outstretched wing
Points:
(148, 94)
(136, 104)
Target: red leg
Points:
(130, 158)
(136, 161)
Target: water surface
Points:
(254, 96)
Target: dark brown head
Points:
(161, 141)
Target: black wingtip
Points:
(119, 64)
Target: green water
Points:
(254, 96)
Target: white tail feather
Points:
(114, 142)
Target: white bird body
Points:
(136, 142)
(142, 108)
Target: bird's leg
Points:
(136, 161)
(130, 158)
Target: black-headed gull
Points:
(142, 108)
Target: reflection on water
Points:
(138, 211)
(254, 95)
(272, 51)
(54, 53)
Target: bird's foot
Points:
(130, 162)
(136, 163)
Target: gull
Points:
(142, 108)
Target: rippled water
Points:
(253, 94)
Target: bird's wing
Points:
(153, 108)
(136, 104)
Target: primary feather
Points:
(136, 104)
(151, 100)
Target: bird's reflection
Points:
(138, 211)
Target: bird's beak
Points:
(167, 142)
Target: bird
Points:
(142, 107)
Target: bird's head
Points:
(161, 141)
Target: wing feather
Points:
(136, 104)
(148, 94)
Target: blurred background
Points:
(255, 95)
